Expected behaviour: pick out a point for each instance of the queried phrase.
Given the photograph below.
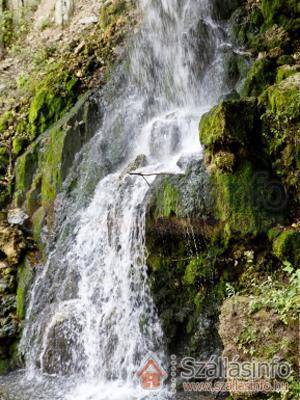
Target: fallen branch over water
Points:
(152, 174)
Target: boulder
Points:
(223, 125)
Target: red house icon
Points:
(151, 374)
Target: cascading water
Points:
(91, 317)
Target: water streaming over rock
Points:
(91, 316)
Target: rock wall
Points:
(226, 274)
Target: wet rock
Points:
(63, 337)
(139, 162)
(199, 41)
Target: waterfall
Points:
(91, 319)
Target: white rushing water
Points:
(91, 317)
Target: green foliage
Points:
(196, 269)
(246, 340)
(17, 145)
(224, 161)
(282, 298)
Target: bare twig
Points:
(153, 173)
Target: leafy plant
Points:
(279, 296)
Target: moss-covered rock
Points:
(283, 99)
(261, 74)
(241, 201)
(286, 246)
(223, 126)
(56, 94)
(282, 130)
(40, 171)
(25, 276)
(242, 185)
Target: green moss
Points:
(5, 120)
(224, 161)
(33, 195)
(224, 126)
(55, 94)
(279, 11)
(25, 275)
(24, 172)
(4, 366)
(167, 200)
(40, 171)
(287, 246)
(281, 131)
(240, 201)
(276, 37)
(37, 224)
(245, 27)
(261, 74)
(285, 71)
(198, 268)
(4, 159)
(17, 145)
(283, 99)
(52, 159)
